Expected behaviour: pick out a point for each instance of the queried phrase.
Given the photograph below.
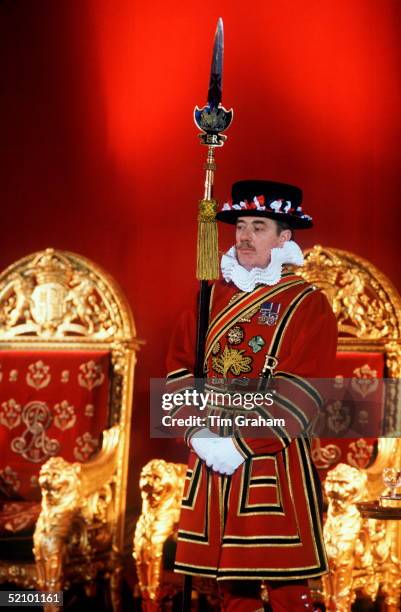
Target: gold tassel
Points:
(207, 262)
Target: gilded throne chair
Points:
(67, 356)
(364, 553)
(368, 312)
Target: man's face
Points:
(255, 238)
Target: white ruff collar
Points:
(246, 280)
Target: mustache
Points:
(244, 245)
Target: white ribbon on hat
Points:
(246, 280)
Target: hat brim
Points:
(231, 216)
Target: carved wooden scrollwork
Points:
(54, 294)
(366, 304)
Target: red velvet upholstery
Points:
(339, 415)
(51, 403)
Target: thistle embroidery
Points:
(232, 360)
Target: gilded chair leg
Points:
(338, 593)
(115, 588)
(49, 553)
(344, 487)
(161, 485)
(60, 485)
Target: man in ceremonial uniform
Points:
(250, 510)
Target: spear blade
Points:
(213, 119)
(214, 94)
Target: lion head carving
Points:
(160, 480)
(59, 481)
(344, 486)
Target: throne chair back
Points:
(67, 355)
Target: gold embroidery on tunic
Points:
(232, 360)
(248, 318)
(235, 335)
(216, 348)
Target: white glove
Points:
(220, 454)
(202, 443)
(226, 458)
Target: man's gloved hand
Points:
(219, 453)
(202, 443)
(226, 458)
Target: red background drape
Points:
(99, 154)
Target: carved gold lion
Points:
(161, 486)
(352, 543)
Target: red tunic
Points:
(263, 521)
